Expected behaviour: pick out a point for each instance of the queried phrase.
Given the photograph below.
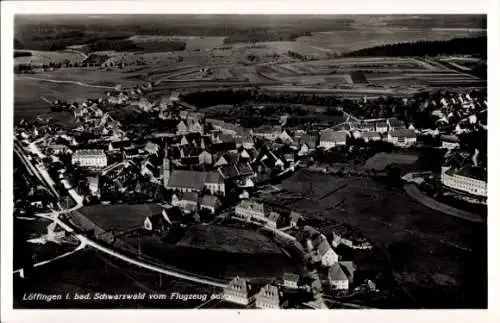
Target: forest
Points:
(463, 46)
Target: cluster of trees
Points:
(254, 35)
(462, 46)
(21, 53)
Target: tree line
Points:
(462, 46)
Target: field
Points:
(46, 57)
(92, 272)
(382, 160)
(192, 42)
(362, 37)
(28, 93)
(227, 239)
(119, 217)
(439, 259)
(217, 262)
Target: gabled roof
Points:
(335, 136)
(274, 216)
(404, 133)
(190, 196)
(348, 268)
(291, 277)
(324, 247)
(214, 178)
(336, 273)
(210, 200)
(187, 179)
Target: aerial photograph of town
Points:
(210, 161)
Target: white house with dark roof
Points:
(189, 201)
(450, 142)
(182, 128)
(210, 202)
(237, 291)
(337, 277)
(381, 126)
(269, 297)
(291, 280)
(330, 139)
(402, 138)
(370, 136)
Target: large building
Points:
(237, 291)
(330, 139)
(93, 158)
(467, 179)
(402, 138)
(192, 181)
(247, 209)
(268, 298)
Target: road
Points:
(414, 191)
(65, 81)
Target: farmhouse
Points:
(189, 201)
(402, 138)
(237, 291)
(330, 139)
(268, 297)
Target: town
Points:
(264, 194)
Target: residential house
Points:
(327, 255)
(330, 139)
(273, 219)
(285, 137)
(189, 201)
(370, 136)
(381, 126)
(291, 280)
(214, 182)
(349, 268)
(338, 278)
(269, 297)
(93, 182)
(395, 124)
(246, 141)
(194, 126)
(182, 128)
(205, 158)
(295, 219)
(210, 202)
(226, 159)
(402, 138)
(155, 222)
(152, 148)
(450, 142)
(175, 201)
(267, 132)
(237, 291)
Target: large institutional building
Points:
(468, 179)
(95, 158)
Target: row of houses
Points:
(251, 210)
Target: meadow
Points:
(439, 259)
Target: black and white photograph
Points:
(249, 161)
